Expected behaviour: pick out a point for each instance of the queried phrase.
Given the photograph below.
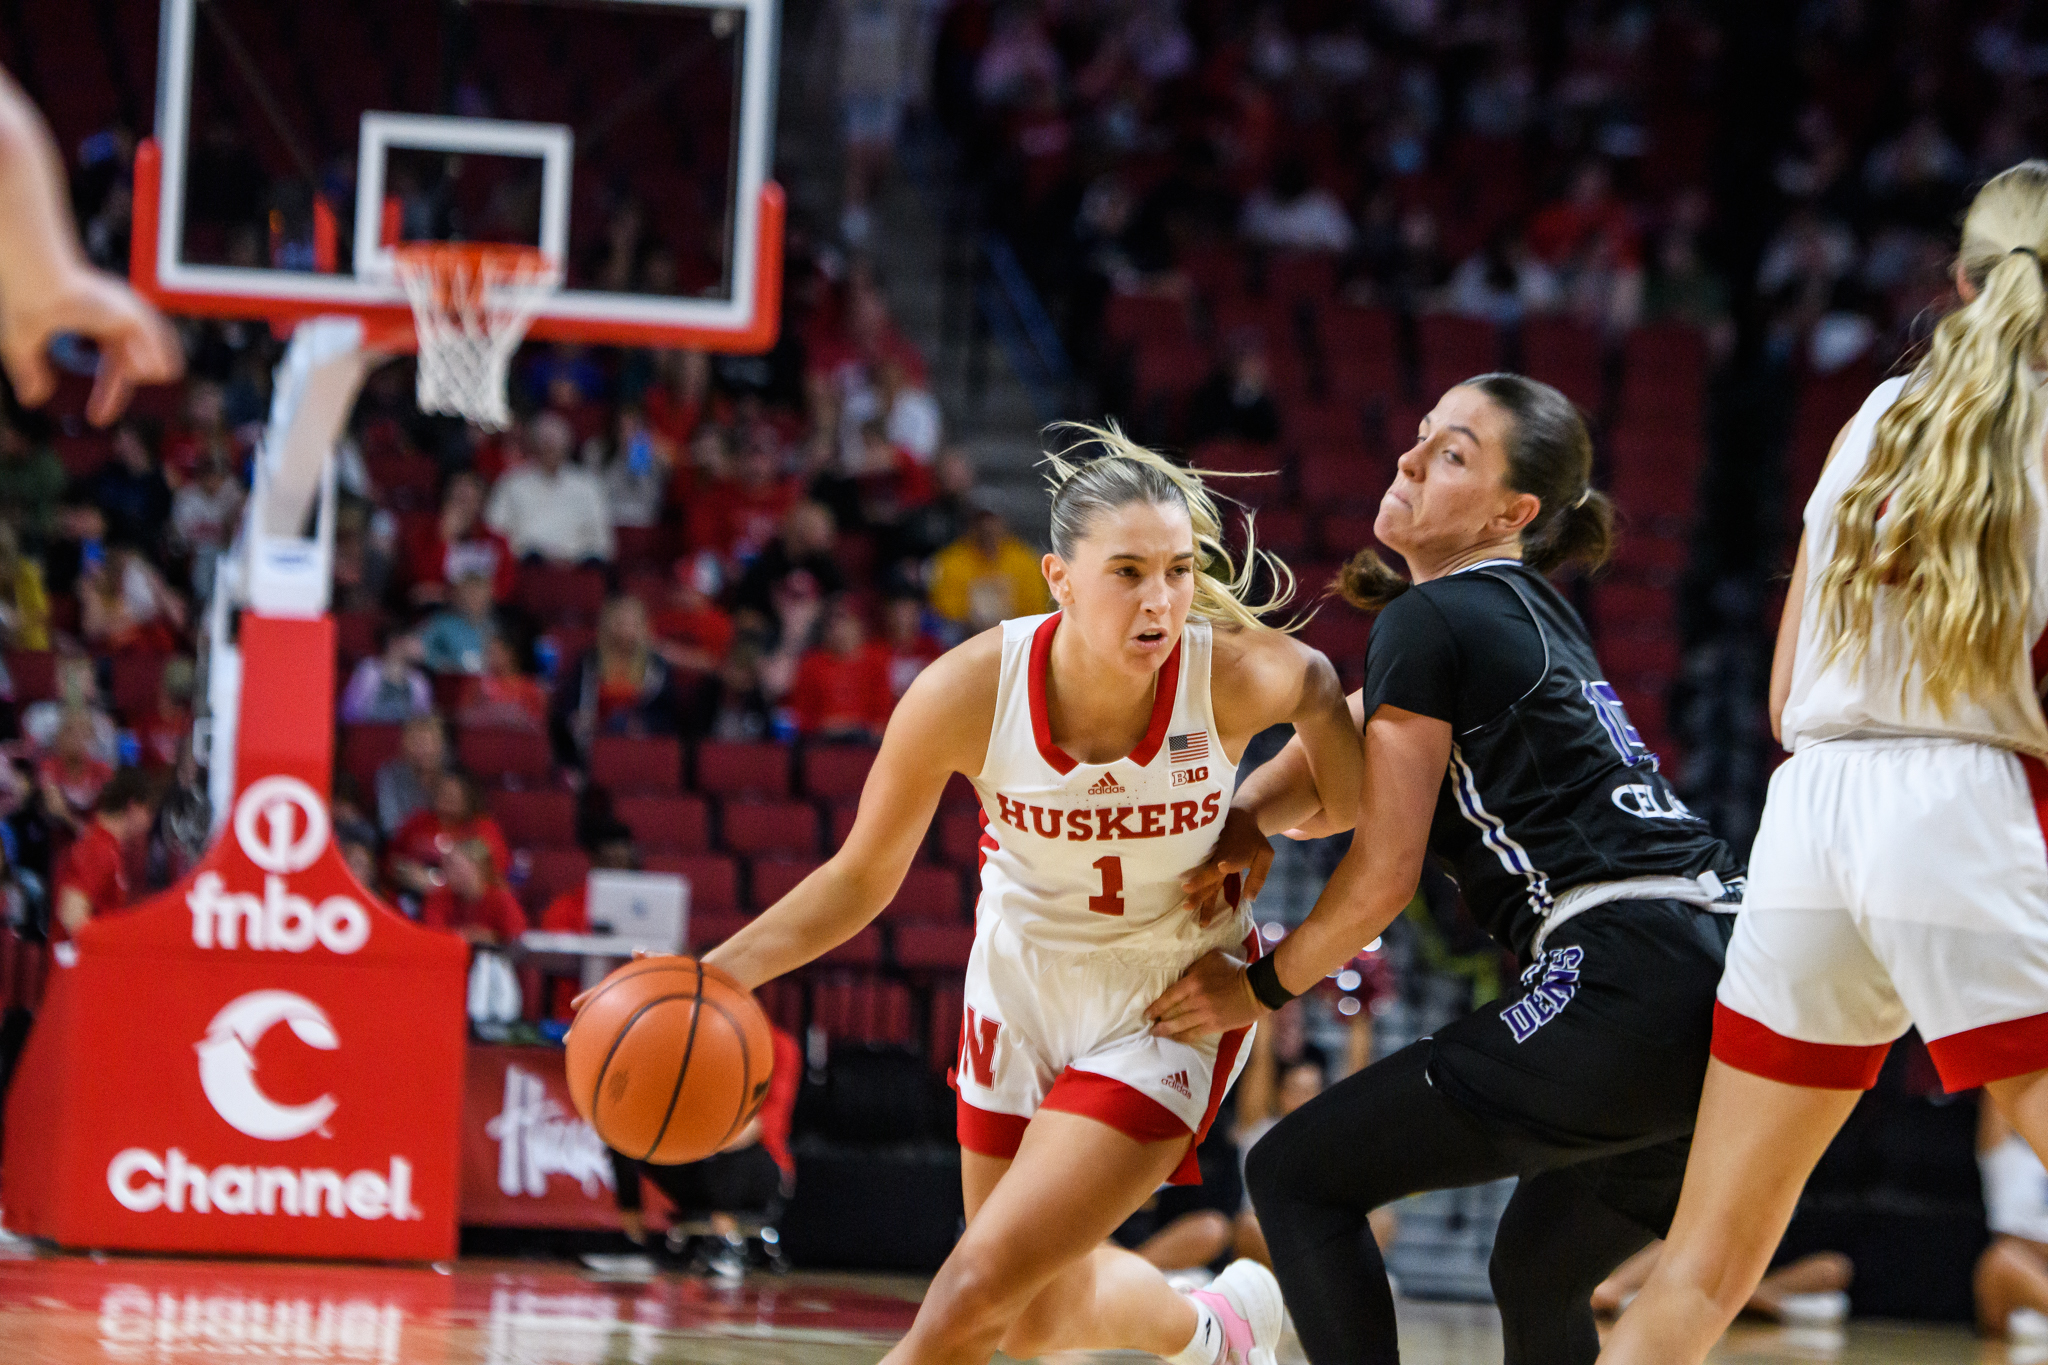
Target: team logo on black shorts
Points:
(1551, 981)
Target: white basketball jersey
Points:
(1089, 856)
(1830, 700)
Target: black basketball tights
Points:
(1386, 1133)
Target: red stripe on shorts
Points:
(1108, 1100)
(1746, 1045)
(990, 1133)
(1994, 1052)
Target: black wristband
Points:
(1263, 977)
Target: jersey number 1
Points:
(1111, 901)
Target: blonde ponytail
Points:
(1948, 470)
(1125, 472)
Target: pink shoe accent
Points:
(1237, 1333)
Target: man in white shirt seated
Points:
(548, 508)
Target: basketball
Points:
(669, 1059)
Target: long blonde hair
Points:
(1125, 472)
(1951, 457)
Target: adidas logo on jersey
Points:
(1178, 1084)
(1107, 785)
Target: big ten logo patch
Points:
(1551, 982)
(1183, 776)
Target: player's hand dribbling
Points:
(136, 345)
(1240, 848)
(1212, 996)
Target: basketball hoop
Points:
(471, 303)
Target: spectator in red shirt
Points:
(92, 875)
(842, 689)
(889, 483)
(419, 850)
(692, 630)
(734, 518)
(1593, 242)
(456, 544)
(72, 775)
(473, 903)
(504, 697)
(911, 648)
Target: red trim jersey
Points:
(1086, 856)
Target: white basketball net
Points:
(471, 306)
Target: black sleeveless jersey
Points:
(1549, 787)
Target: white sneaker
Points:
(1246, 1299)
(1188, 1281)
(1814, 1310)
(2024, 1324)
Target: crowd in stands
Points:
(663, 550)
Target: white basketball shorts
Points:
(1893, 883)
(1045, 1029)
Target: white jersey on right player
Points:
(1900, 873)
(1832, 700)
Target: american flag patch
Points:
(1187, 748)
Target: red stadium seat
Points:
(864, 949)
(959, 840)
(639, 546)
(751, 826)
(1342, 477)
(710, 928)
(1454, 349)
(510, 757)
(839, 818)
(1283, 530)
(1339, 631)
(1343, 534)
(34, 672)
(1620, 607)
(650, 765)
(552, 592)
(1362, 348)
(551, 871)
(366, 748)
(667, 824)
(355, 634)
(1565, 353)
(1302, 275)
(713, 878)
(933, 947)
(770, 879)
(927, 893)
(730, 768)
(861, 1007)
(833, 771)
(533, 819)
(1130, 317)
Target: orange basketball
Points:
(669, 1059)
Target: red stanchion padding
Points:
(263, 1058)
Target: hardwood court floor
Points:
(69, 1310)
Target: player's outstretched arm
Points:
(1406, 756)
(939, 728)
(47, 286)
